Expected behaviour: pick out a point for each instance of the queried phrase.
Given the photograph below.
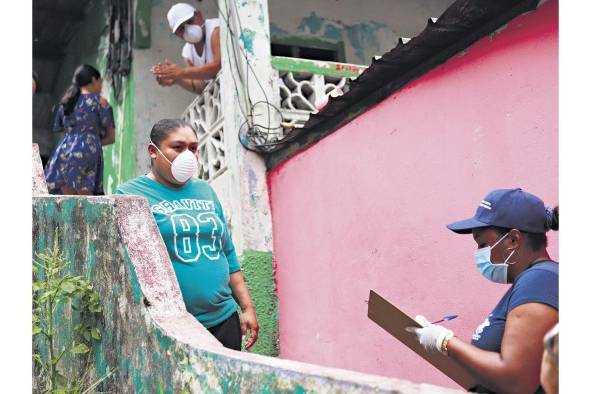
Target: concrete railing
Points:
(206, 115)
(304, 85)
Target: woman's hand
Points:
(249, 322)
(431, 336)
(109, 137)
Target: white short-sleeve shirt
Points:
(206, 57)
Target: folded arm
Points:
(207, 71)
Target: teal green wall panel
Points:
(257, 268)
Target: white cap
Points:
(179, 13)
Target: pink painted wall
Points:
(366, 207)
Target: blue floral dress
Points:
(77, 161)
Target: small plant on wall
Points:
(63, 303)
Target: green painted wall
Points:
(257, 268)
(120, 158)
(89, 46)
(147, 361)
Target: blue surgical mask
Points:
(494, 272)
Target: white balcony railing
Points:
(206, 116)
(304, 86)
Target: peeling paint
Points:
(261, 16)
(365, 38)
(247, 37)
(311, 24)
(332, 32)
(252, 180)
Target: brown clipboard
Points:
(394, 321)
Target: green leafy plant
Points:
(54, 289)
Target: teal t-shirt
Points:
(193, 227)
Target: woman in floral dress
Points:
(86, 118)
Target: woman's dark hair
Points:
(536, 241)
(164, 127)
(82, 77)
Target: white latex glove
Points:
(431, 336)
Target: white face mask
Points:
(183, 166)
(494, 272)
(193, 33)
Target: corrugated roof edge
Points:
(460, 25)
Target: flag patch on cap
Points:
(485, 204)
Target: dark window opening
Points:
(303, 52)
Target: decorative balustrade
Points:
(305, 84)
(206, 116)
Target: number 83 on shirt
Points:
(197, 235)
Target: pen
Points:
(445, 318)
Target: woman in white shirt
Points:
(201, 51)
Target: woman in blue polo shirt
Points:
(505, 353)
(194, 230)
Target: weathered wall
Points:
(120, 163)
(152, 101)
(90, 46)
(242, 188)
(366, 207)
(148, 338)
(365, 30)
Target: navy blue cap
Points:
(509, 208)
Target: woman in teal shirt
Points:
(192, 224)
